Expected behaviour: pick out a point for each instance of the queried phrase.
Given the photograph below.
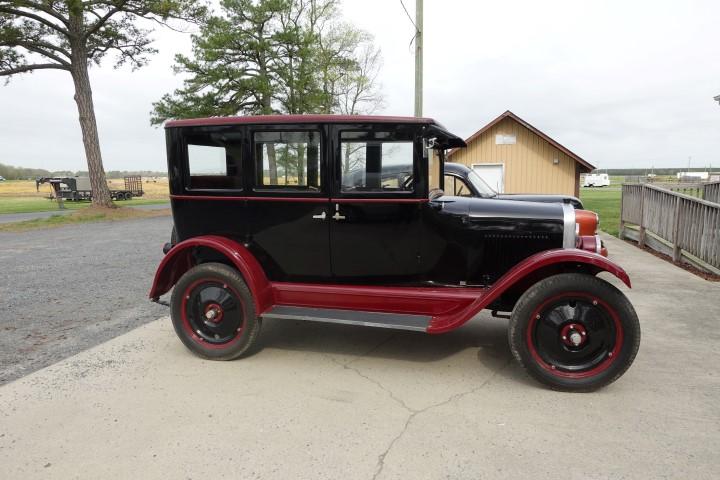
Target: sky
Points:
(624, 84)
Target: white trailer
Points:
(597, 180)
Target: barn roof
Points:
(508, 114)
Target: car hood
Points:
(523, 197)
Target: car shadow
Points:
(486, 334)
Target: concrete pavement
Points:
(327, 401)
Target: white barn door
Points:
(493, 174)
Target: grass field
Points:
(606, 203)
(83, 215)
(20, 196)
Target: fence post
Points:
(676, 231)
(622, 212)
(641, 237)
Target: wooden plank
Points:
(676, 231)
(641, 240)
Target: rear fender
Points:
(180, 259)
(527, 272)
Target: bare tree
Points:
(70, 35)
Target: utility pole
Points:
(418, 58)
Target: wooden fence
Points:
(694, 189)
(684, 224)
(711, 192)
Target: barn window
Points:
(505, 139)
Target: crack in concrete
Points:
(415, 413)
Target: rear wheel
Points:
(213, 312)
(574, 332)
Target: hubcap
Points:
(574, 335)
(213, 312)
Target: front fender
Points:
(545, 264)
(179, 260)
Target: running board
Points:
(398, 321)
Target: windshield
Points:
(483, 188)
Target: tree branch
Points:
(102, 20)
(45, 9)
(30, 68)
(40, 48)
(37, 18)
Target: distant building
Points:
(513, 156)
(693, 175)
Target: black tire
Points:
(574, 332)
(128, 195)
(234, 328)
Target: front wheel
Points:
(213, 312)
(574, 332)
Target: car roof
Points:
(459, 168)
(295, 119)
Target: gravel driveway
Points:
(66, 289)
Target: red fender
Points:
(595, 262)
(179, 260)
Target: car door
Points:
(375, 211)
(288, 208)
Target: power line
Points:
(409, 17)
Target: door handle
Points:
(321, 216)
(337, 215)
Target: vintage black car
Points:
(337, 219)
(465, 182)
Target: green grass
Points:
(606, 203)
(39, 204)
(82, 215)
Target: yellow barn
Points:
(512, 156)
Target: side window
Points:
(376, 162)
(287, 160)
(214, 161)
(457, 186)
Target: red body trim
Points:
(242, 199)
(300, 199)
(434, 301)
(379, 200)
(449, 307)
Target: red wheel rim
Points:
(213, 313)
(607, 345)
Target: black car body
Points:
(332, 218)
(463, 181)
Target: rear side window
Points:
(376, 162)
(287, 160)
(214, 161)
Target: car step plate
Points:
(399, 321)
